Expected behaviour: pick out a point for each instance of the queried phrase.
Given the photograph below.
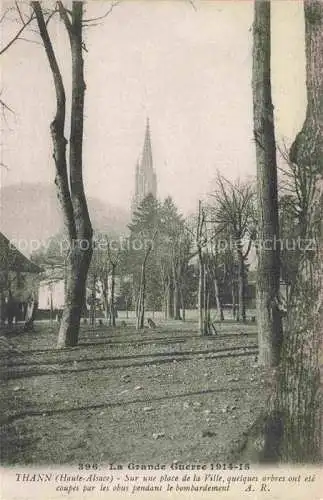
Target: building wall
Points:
(21, 285)
(54, 290)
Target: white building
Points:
(51, 294)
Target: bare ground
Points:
(121, 396)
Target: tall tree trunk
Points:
(182, 303)
(106, 296)
(2, 308)
(74, 298)
(177, 303)
(81, 256)
(241, 285)
(70, 192)
(138, 305)
(142, 291)
(218, 299)
(143, 301)
(112, 301)
(51, 305)
(142, 297)
(292, 424)
(206, 303)
(234, 303)
(106, 309)
(268, 273)
(202, 277)
(127, 309)
(200, 294)
(93, 298)
(176, 300)
(137, 299)
(166, 303)
(170, 299)
(296, 401)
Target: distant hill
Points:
(30, 211)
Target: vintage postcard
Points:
(160, 249)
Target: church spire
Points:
(146, 182)
(147, 156)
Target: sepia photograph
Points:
(160, 246)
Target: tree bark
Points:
(79, 262)
(200, 294)
(296, 401)
(241, 285)
(127, 309)
(51, 306)
(57, 128)
(70, 193)
(105, 292)
(81, 257)
(202, 286)
(142, 297)
(166, 302)
(170, 299)
(206, 315)
(268, 273)
(142, 291)
(218, 299)
(93, 298)
(234, 304)
(30, 315)
(182, 303)
(112, 301)
(292, 423)
(176, 300)
(177, 304)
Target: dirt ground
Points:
(121, 396)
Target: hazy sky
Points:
(189, 71)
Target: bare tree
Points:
(291, 426)
(140, 306)
(173, 250)
(295, 405)
(268, 273)
(297, 190)
(204, 275)
(113, 260)
(98, 276)
(22, 19)
(68, 178)
(104, 279)
(183, 251)
(93, 281)
(70, 192)
(215, 266)
(233, 212)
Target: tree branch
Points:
(193, 5)
(58, 125)
(245, 255)
(99, 18)
(5, 106)
(17, 35)
(64, 17)
(28, 41)
(19, 12)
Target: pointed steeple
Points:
(147, 156)
(146, 182)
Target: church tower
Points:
(145, 181)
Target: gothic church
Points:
(146, 180)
